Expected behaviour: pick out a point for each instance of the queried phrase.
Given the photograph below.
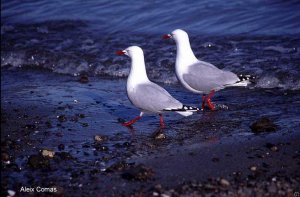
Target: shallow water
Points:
(205, 17)
(259, 38)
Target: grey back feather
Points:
(152, 98)
(205, 77)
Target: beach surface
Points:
(209, 153)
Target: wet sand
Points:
(210, 153)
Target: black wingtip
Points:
(184, 108)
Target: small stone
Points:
(64, 155)
(11, 193)
(48, 153)
(138, 173)
(84, 79)
(224, 182)
(253, 168)
(38, 161)
(4, 157)
(100, 138)
(263, 125)
(61, 118)
(117, 167)
(61, 147)
(158, 135)
(274, 148)
(84, 124)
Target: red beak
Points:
(167, 36)
(120, 52)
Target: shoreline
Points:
(209, 153)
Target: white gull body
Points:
(146, 95)
(199, 76)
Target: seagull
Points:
(201, 77)
(146, 95)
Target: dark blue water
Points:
(75, 37)
(208, 17)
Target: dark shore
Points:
(208, 154)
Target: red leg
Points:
(203, 102)
(129, 123)
(208, 100)
(161, 121)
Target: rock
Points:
(4, 157)
(100, 147)
(64, 155)
(253, 168)
(48, 153)
(117, 167)
(159, 135)
(138, 173)
(59, 191)
(61, 147)
(224, 182)
(61, 118)
(263, 125)
(38, 161)
(11, 193)
(83, 79)
(84, 124)
(100, 138)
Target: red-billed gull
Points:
(199, 76)
(146, 95)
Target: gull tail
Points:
(184, 111)
(244, 80)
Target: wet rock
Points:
(11, 193)
(59, 191)
(4, 157)
(224, 182)
(81, 115)
(30, 126)
(84, 124)
(61, 147)
(120, 166)
(159, 135)
(263, 125)
(64, 156)
(83, 79)
(253, 168)
(138, 173)
(100, 138)
(61, 118)
(100, 147)
(272, 147)
(48, 153)
(38, 161)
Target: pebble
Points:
(263, 125)
(61, 147)
(138, 173)
(253, 168)
(224, 182)
(48, 153)
(11, 193)
(100, 138)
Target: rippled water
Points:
(209, 16)
(75, 37)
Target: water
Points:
(75, 37)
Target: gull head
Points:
(177, 35)
(132, 51)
